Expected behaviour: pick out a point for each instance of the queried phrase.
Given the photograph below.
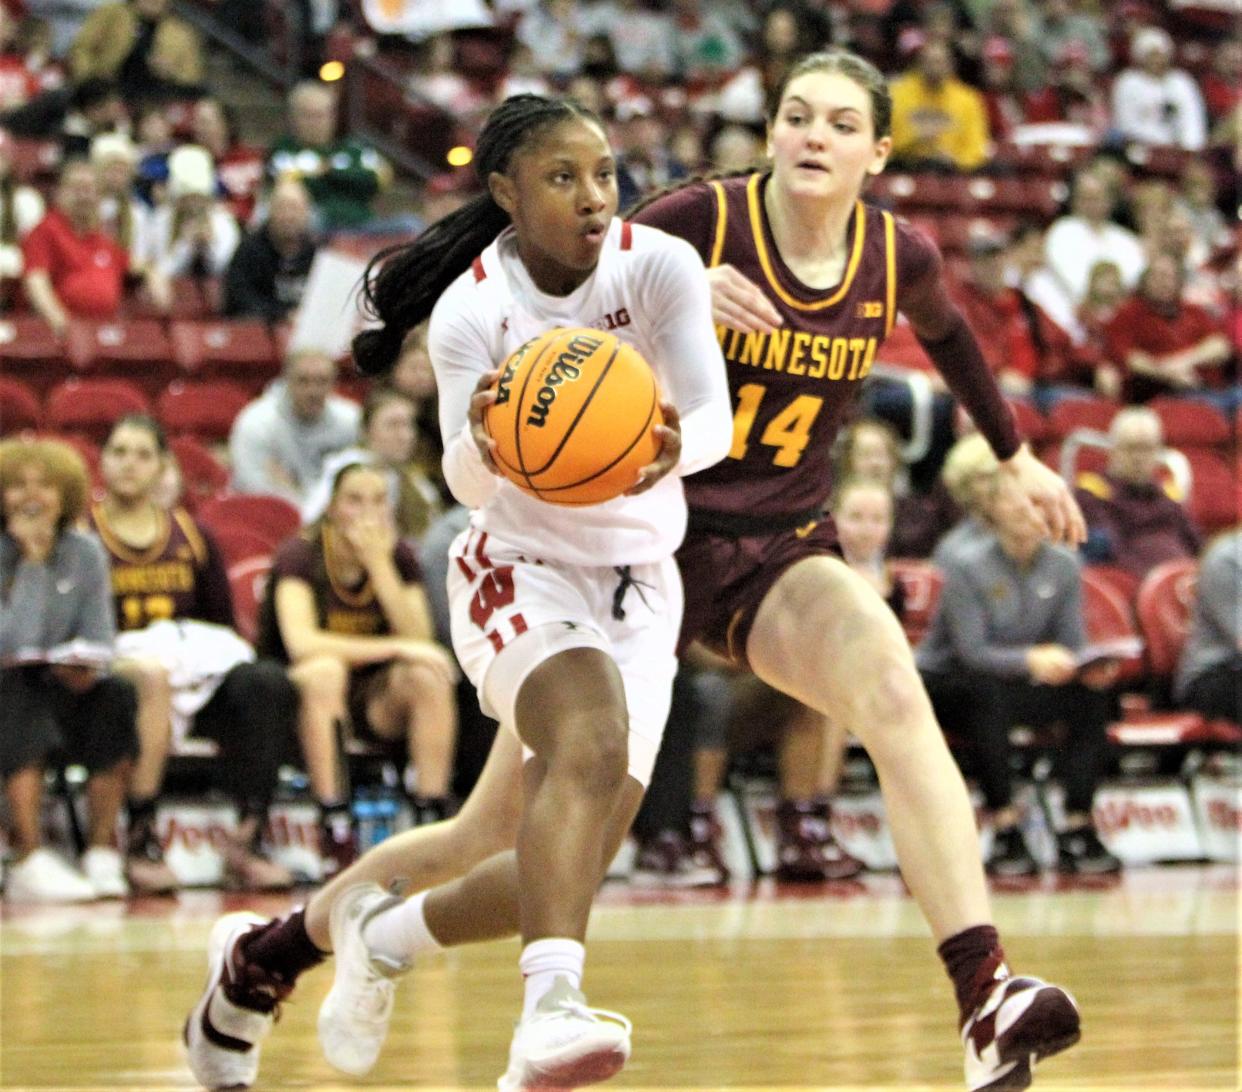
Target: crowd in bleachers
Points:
(1075, 161)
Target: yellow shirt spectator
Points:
(937, 117)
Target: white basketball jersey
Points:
(650, 290)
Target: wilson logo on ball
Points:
(574, 417)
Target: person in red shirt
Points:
(1163, 344)
(73, 267)
(239, 167)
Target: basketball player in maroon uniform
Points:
(165, 567)
(830, 275)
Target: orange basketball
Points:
(575, 416)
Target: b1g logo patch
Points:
(870, 309)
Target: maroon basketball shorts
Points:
(727, 576)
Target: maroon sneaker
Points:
(806, 851)
(704, 842)
(1021, 1021)
(666, 861)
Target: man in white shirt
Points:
(1074, 243)
(1155, 103)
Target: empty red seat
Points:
(1188, 423)
(19, 408)
(1073, 413)
(1214, 492)
(203, 476)
(30, 352)
(248, 581)
(272, 517)
(133, 349)
(1122, 581)
(1164, 603)
(241, 351)
(205, 410)
(240, 543)
(192, 298)
(921, 582)
(92, 406)
(1107, 616)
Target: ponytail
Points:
(401, 284)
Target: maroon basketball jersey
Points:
(180, 575)
(791, 389)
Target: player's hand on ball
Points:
(669, 435)
(484, 395)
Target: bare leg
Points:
(150, 679)
(825, 637)
(434, 854)
(24, 791)
(710, 764)
(321, 683)
(419, 705)
(832, 757)
(801, 754)
(105, 793)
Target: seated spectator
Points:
(862, 510)
(1155, 103)
(58, 700)
(641, 37)
(733, 149)
(1165, 345)
(969, 475)
(707, 40)
(64, 18)
(149, 51)
(94, 106)
(1027, 271)
(197, 678)
(1062, 24)
(1132, 521)
(389, 435)
(126, 218)
(1105, 294)
(870, 448)
(342, 174)
(938, 121)
(1222, 83)
(1016, 23)
(644, 162)
(1209, 673)
(21, 208)
(279, 441)
(1086, 235)
(1021, 344)
(1073, 96)
(1007, 102)
(240, 167)
(73, 267)
(1001, 651)
(345, 608)
(555, 31)
(153, 132)
(26, 67)
(191, 232)
(266, 276)
(1197, 199)
(412, 375)
(436, 77)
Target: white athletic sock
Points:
(542, 961)
(400, 933)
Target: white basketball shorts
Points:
(510, 612)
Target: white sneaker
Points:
(565, 1044)
(354, 1017)
(1022, 1021)
(105, 871)
(42, 876)
(221, 1037)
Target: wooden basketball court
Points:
(833, 987)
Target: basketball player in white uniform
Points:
(565, 619)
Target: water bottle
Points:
(385, 816)
(365, 822)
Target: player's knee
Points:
(594, 751)
(321, 679)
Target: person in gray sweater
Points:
(1002, 650)
(57, 698)
(280, 441)
(1209, 673)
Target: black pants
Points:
(983, 708)
(1218, 692)
(42, 721)
(252, 717)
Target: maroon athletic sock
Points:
(972, 957)
(283, 948)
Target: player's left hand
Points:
(484, 395)
(1053, 505)
(670, 451)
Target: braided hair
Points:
(412, 276)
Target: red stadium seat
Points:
(92, 406)
(921, 581)
(1189, 423)
(1107, 616)
(19, 408)
(248, 581)
(1122, 581)
(193, 298)
(205, 410)
(134, 349)
(240, 543)
(29, 351)
(203, 476)
(1164, 603)
(240, 351)
(1214, 491)
(272, 517)
(1031, 423)
(1072, 413)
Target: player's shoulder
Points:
(645, 241)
